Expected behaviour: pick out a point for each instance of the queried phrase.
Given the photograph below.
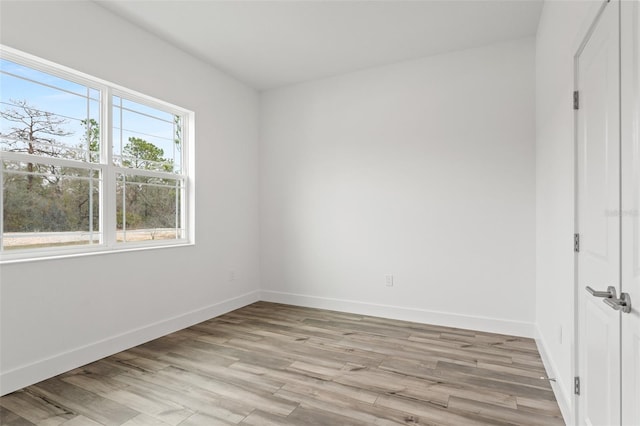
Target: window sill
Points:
(25, 258)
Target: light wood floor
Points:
(270, 364)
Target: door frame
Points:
(630, 219)
(589, 26)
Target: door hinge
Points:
(576, 243)
(576, 100)
(576, 385)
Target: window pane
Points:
(45, 115)
(145, 137)
(46, 206)
(148, 208)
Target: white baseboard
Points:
(491, 325)
(26, 375)
(562, 394)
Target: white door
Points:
(630, 333)
(598, 220)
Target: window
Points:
(87, 166)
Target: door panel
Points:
(598, 219)
(602, 334)
(596, 159)
(630, 121)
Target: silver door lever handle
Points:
(609, 294)
(623, 304)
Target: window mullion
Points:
(108, 193)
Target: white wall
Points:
(422, 169)
(562, 27)
(59, 314)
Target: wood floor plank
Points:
(260, 418)
(85, 403)
(200, 419)
(513, 369)
(195, 399)
(144, 420)
(270, 364)
(107, 367)
(225, 374)
(81, 421)
(358, 413)
(502, 413)
(35, 409)
(535, 382)
(531, 405)
(98, 385)
(476, 394)
(430, 413)
(312, 417)
(166, 411)
(292, 378)
(250, 398)
(9, 418)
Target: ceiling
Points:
(268, 44)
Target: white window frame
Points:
(108, 170)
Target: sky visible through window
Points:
(76, 103)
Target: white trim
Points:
(487, 324)
(562, 394)
(96, 249)
(29, 374)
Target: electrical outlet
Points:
(232, 276)
(389, 280)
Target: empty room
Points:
(317, 212)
